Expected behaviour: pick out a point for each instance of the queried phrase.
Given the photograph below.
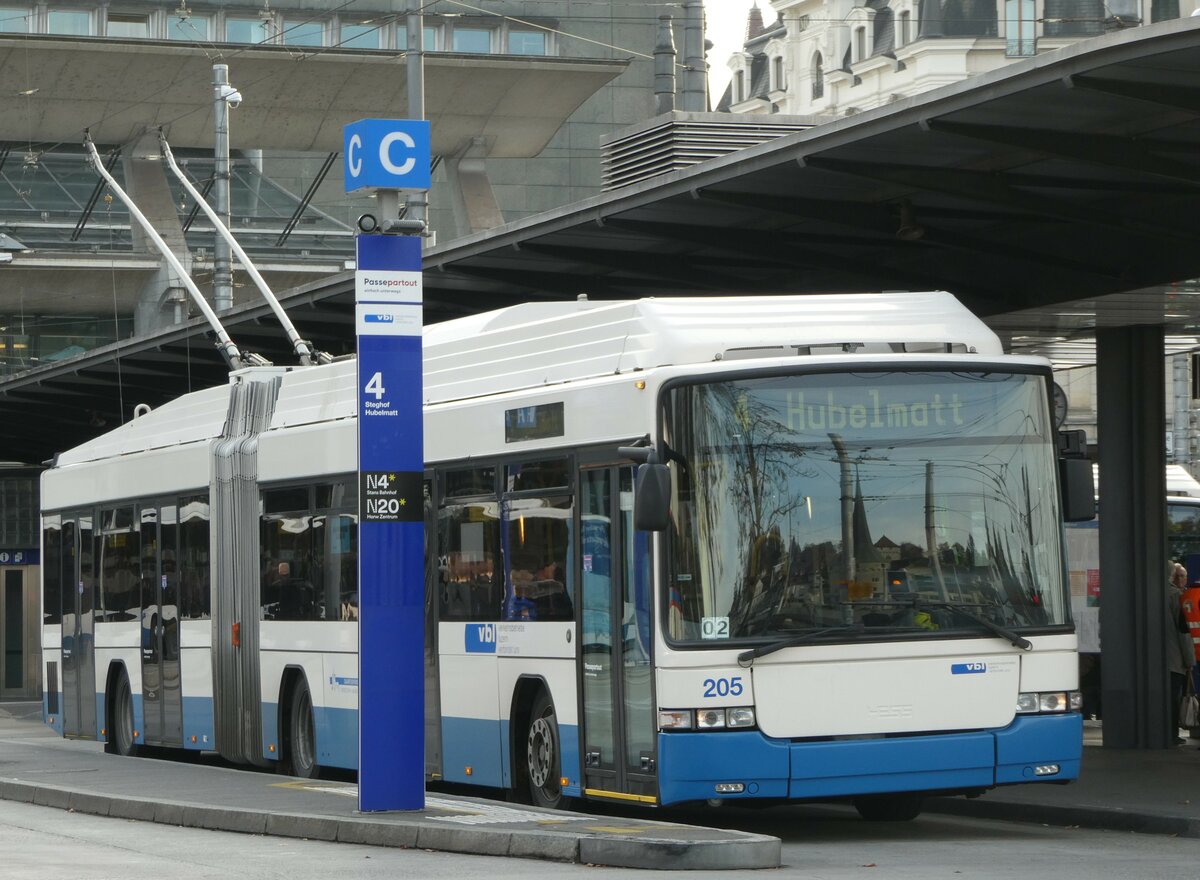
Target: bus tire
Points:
(543, 755)
(302, 740)
(120, 739)
(902, 807)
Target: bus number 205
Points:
(723, 687)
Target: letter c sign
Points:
(353, 159)
(385, 148)
(387, 154)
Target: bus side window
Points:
(539, 586)
(469, 550)
(193, 562)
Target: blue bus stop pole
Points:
(390, 156)
(391, 547)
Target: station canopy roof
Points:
(1053, 196)
(294, 98)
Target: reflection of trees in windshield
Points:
(783, 525)
(756, 462)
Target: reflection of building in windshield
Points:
(869, 565)
(775, 519)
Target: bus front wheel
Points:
(889, 807)
(543, 756)
(302, 749)
(120, 739)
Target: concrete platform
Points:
(38, 767)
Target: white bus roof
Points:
(543, 343)
(534, 344)
(1180, 482)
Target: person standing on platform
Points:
(1181, 654)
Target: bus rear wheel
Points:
(302, 749)
(543, 755)
(120, 740)
(889, 807)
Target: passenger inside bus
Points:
(539, 592)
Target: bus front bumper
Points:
(747, 764)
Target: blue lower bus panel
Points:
(1029, 748)
(1045, 748)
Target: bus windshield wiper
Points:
(994, 628)
(746, 658)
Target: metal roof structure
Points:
(1052, 196)
(296, 98)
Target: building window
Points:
(1088, 18)
(527, 43)
(860, 43)
(14, 20)
(818, 77)
(1020, 39)
(123, 24)
(360, 36)
(431, 38)
(19, 511)
(69, 21)
(903, 25)
(1163, 10)
(298, 32)
(192, 28)
(739, 86)
(247, 30)
(478, 40)
(777, 73)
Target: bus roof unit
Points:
(536, 344)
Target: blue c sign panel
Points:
(386, 154)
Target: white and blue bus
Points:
(848, 580)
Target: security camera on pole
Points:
(390, 157)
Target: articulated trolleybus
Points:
(677, 550)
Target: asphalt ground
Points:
(1154, 792)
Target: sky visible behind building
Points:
(726, 20)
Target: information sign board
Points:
(391, 546)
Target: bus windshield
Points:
(864, 504)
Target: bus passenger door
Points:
(433, 695)
(618, 733)
(161, 691)
(78, 629)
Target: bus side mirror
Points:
(652, 498)
(1077, 477)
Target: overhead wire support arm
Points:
(303, 349)
(233, 356)
(93, 198)
(302, 206)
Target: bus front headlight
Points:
(736, 718)
(675, 719)
(707, 719)
(1049, 702)
(742, 716)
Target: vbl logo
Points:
(481, 638)
(975, 668)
